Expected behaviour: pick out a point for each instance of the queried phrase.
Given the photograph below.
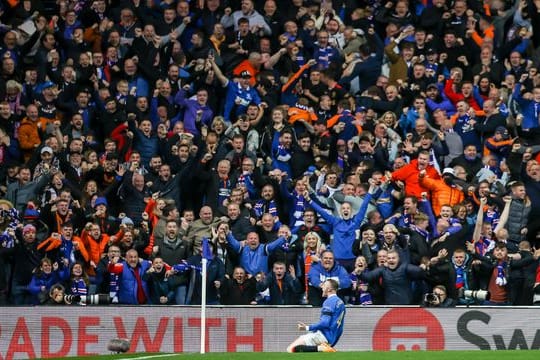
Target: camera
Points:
(96, 299)
(478, 295)
(432, 299)
(70, 299)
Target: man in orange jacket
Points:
(443, 192)
(95, 243)
(409, 174)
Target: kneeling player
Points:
(323, 335)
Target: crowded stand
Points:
(391, 146)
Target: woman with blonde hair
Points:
(313, 247)
(390, 119)
(219, 125)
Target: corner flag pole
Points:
(203, 306)
(206, 254)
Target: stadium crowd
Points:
(391, 146)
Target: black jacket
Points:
(290, 291)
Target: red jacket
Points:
(455, 97)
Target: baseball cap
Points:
(361, 109)
(501, 129)
(245, 74)
(449, 171)
(46, 149)
(432, 85)
(47, 84)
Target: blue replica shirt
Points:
(331, 321)
(239, 97)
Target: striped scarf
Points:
(299, 207)
(501, 274)
(461, 276)
(265, 206)
(78, 287)
(483, 246)
(224, 190)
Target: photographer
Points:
(57, 294)
(438, 298)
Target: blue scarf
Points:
(483, 245)
(224, 190)
(67, 251)
(262, 207)
(114, 287)
(299, 207)
(423, 233)
(78, 287)
(461, 274)
(501, 274)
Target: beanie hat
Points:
(127, 221)
(100, 201)
(30, 213)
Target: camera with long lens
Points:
(72, 299)
(96, 299)
(477, 295)
(432, 299)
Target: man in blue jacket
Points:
(133, 288)
(344, 228)
(253, 254)
(322, 271)
(530, 108)
(325, 333)
(239, 94)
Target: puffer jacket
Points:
(128, 281)
(441, 193)
(517, 219)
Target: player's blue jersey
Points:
(332, 319)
